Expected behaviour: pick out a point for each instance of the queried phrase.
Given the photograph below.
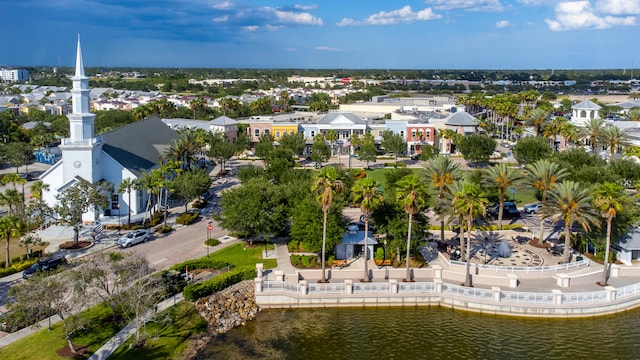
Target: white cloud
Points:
(221, 18)
(619, 7)
(290, 49)
(503, 24)
(573, 15)
(290, 17)
(223, 5)
(470, 5)
(250, 28)
(305, 7)
(400, 16)
(273, 27)
(326, 48)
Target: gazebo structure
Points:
(352, 244)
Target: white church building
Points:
(126, 152)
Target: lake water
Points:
(425, 333)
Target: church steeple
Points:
(81, 118)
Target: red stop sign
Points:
(210, 227)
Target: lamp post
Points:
(209, 229)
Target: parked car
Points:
(46, 264)
(134, 237)
(532, 208)
(509, 210)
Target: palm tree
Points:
(325, 187)
(148, 182)
(469, 201)
(615, 138)
(501, 177)
(543, 175)
(442, 171)
(609, 198)
(366, 192)
(127, 185)
(571, 203)
(593, 132)
(10, 226)
(12, 199)
(569, 132)
(537, 118)
(37, 188)
(411, 195)
(554, 128)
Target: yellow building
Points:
(279, 129)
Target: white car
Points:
(134, 237)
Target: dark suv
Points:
(509, 210)
(48, 264)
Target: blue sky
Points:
(349, 34)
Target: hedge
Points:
(196, 291)
(202, 263)
(187, 218)
(17, 267)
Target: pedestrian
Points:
(93, 235)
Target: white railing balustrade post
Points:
(348, 286)
(614, 271)
(496, 293)
(393, 285)
(437, 271)
(304, 287)
(438, 283)
(258, 283)
(279, 275)
(562, 280)
(557, 296)
(259, 269)
(513, 280)
(611, 293)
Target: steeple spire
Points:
(79, 64)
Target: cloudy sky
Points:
(423, 34)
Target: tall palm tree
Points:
(38, 188)
(127, 185)
(569, 132)
(366, 192)
(537, 118)
(469, 201)
(501, 177)
(593, 132)
(571, 203)
(609, 198)
(543, 175)
(441, 171)
(554, 128)
(615, 138)
(149, 182)
(10, 226)
(411, 195)
(325, 187)
(12, 199)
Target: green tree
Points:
(127, 185)
(441, 171)
(411, 195)
(294, 143)
(368, 151)
(537, 118)
(393, 143)
(10, 226)
(543, 176)
(501, 177)
(17, 154)
(325, 187)
(609, 199)
(615, 138)
(366, 193)
(571, 203)
(265, 147)
(320, 151)
(190, 184)
(221, 149)
(593, 132)
(532, 149)
(477, 148)
(468, 201)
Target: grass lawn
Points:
(244, 254)
(167, 336)
(379, 174)
(44, 344)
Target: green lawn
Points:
(244, 254)
(44, 344)
(167, 336)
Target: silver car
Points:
(134, 237)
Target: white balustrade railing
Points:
(465, 291)
(526, 297)
(628, 290)
(526, 269)
(584, 297)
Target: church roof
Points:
(461, 118)
(586, 105)
(331, 118)
(223, 120)
(139, 146)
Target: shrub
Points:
(17, 267)
(305, 261)
(199, 204)
(164, 229)
(203, 263)
(212, 242)
(195, 291)
(379, 254)
(187, 218)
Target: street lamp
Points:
(209, 229)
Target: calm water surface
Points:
(425, 333)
